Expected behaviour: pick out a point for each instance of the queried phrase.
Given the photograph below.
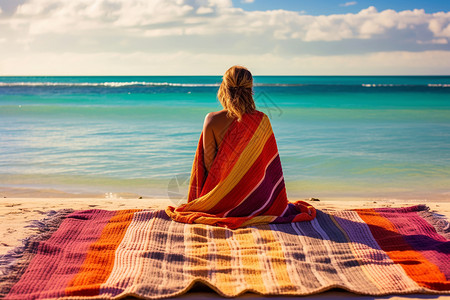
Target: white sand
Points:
(19, 206)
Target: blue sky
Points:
(205, 37)
(327, 7)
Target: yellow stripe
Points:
(253, 221)
(208, 220)
(259, 220)
(251, 266)
(275, 255)
(197, 250)
(245, 161)
(223, 280)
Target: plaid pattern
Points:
(97, 254)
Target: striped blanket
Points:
(143, 253)
(245, 184)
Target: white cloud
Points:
(204, 10)
(440, 26)
(213, 17)
(91, 29)
(247, 1)
(348, 3)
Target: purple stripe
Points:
(59, 259)
(259, 196)
(421, 236)
(275, 195)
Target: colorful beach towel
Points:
(143, 253)
(245, 184)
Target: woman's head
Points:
(235, 93)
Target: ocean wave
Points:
(439, 85)
(130, 83)
(383, 84)
(118, 84)
(103, 84)
(404, 85)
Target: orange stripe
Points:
(308, 212)
(99, 261)
(413, 262)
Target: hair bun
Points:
(235, 92)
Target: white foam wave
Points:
(439, 85)
(113, 84)
(131, 83)
(383, 84)
(392, 85)
(104, 84)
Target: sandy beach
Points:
(21, 206)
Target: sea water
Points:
(338, 136)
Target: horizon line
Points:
(403, 75)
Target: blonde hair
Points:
(235, 92)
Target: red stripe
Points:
(393, 243)
(59, 259)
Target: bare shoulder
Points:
(215, 117)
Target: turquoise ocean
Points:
(338, 136)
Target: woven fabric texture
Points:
(112, 254)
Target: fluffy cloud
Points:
(440, 25)
(212, 17)
(209, 28)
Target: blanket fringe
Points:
(438, 221)
(14, 263)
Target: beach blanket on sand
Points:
(143, 253)
(245, 184)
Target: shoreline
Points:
(26, 192)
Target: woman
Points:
(236, 177)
